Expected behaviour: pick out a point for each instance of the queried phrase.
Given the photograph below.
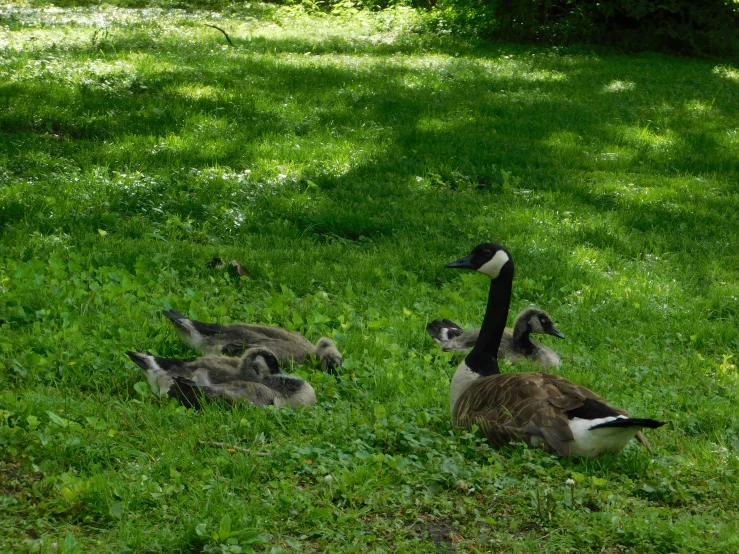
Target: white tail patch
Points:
(492, 267)
(159, 380)
(591, 442)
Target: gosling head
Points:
(488, 258)
(256, 363)
(538, 321)
(329, 355)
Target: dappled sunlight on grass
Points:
(698, 108)
(727, 72)
(644, 136)
(619, 86)
(200, 91)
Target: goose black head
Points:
(259, 362)
(538, 321)
(488, 258)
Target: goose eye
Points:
(488, 253)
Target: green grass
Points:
(343, 159)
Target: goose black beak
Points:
(556, 332)
(462, 263)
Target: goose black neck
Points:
(483, 358)
(522, 338)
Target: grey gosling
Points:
(256, 378)
(541, 409)
(212, 339)
(516, 343)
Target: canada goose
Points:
(541, 409)
(516, 343)
(256, 377)
(212, 339)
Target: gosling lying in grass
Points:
(256, 378)
(516, 343)
(212, 339)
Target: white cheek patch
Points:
(492, 268)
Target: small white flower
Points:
(570, 482)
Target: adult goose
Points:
(256, 377)
(541, 409)
(212, 339)
(516, 344)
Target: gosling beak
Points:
(555, 332)
(462, 263)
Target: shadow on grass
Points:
(380, 131)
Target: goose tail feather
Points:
(176, 317)
(140, 359)
(631, 422)
(443, 330)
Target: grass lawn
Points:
(343, 159)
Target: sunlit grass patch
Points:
(698, 108)
(644, 136)
(727, 72)
(619, 86)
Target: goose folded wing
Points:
(247, 391)
(519, 406)
(190, 393)
(590, 394)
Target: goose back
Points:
(203, 371)
(275, 390)
(191, 394)
(212, 339)
(528, 407)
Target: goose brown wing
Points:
(190, 393)
(242, 391)
(574, 388)
(520, 406)
(586, 392)
(288, 346)
(254, 393)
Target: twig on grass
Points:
(225, 34)
(231, 448)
